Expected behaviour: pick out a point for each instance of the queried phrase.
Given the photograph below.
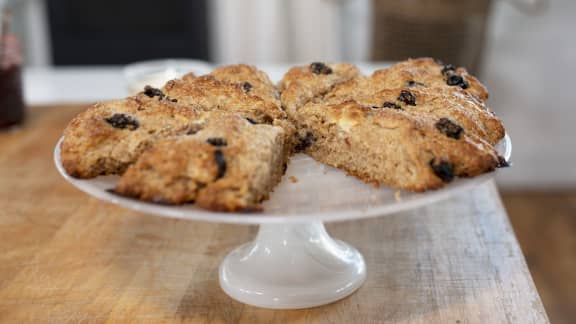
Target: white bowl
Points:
(156, 73)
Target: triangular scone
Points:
(302, 84)
(241, 89)
(393, 146)
(452, 103)
(430, 73)
(229, 165)
(251, 80)
(224, 91)
(414, 138)
(109, 136)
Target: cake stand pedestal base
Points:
(290, 266)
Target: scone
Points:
(241, 89)
(109, 136)
(429, 73)
(229, 165)
(302, 84)
(251, 80)
(253, 98)
(414, 136)
(452, 103)
(393, 146)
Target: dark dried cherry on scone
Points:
(220, 162)
(320, 68)
(388, 104)
(449, 128)
(457, 80)
(305, 142)
(246, 87)
(443, 170)
(153, 92)
(447, 69)
(217, 141)
(407, 97)
(122, 121)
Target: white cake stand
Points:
(293, 262)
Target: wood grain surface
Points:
(545, 223)
(66, 257)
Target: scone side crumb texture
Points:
(392, 147)
(230, 165)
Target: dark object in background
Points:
(122, 32)
(11, 101)
(450, 30)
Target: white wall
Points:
(531, 61)
(264, 31)
(30, 22)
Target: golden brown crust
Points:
(92, 146)
(392, 147)
(455, 104)
(427, 72)
(225, 89)
(229, 165)
(251, 80)
(301, 84)
(404, 126)
(223, 140)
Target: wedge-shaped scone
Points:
(229, 165)
(428, 73)
(253, 98)
(455, 104)
(394, 147)
(251, 80)
(404, 127)
(241, 89)
(109, 136)
(302, 84)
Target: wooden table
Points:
(66, 257)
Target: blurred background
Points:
(523, 50)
